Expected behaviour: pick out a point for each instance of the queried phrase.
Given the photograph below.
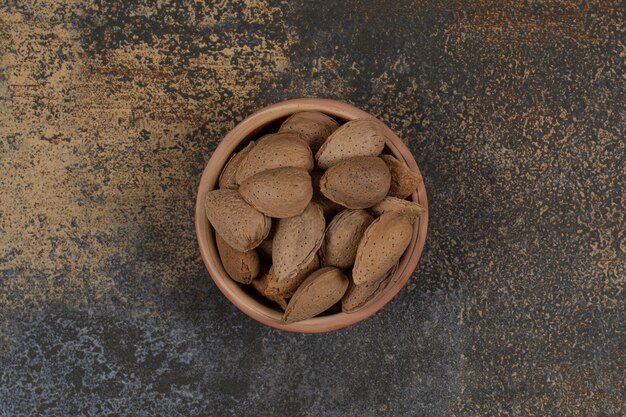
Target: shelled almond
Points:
(339, 221)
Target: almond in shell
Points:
(296, 242)
(358, 296)
(287, 287)
(410, 209)
(276, 150)
(242, 226)
(313, 126)
(382, 245)
(320, 291)
(227, 177)
(342, 238)
(357, 183)
(242, 267)
(329, 207)
(403, 181)
(280, 192)
(356, 138)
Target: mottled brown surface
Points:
(514, 111)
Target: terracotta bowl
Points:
(266, 120)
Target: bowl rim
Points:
(204, 232)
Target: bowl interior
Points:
(244, 297)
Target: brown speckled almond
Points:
(276, 150)
(280, 192)
(329, 207)
(313, 126)
(403, 181)
(260, 284)
(410, 209)
(227, 177)
(358, 296)
(357, 183)
(342, 238)
(242, 267)
(355, 138)
(382, 245)
(320, 291)
(287, 287)
(296, 241)
(240, 224)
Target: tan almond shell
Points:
(240, 224)
(329, 207)
(313, 126)
(260, 284)
(403, 181)
(280, 192)
(276, 150)
(242, 267)
(342, 238)
(227, 177)
(319, 291)
(265, 248)
(357, 183)
(355, 138)
(296, 241)
(358, 296)
(382, 245)
(410, 209)
(287, 287)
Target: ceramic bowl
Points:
(266, 120)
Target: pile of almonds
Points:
(310, 232)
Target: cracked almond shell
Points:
(319, 291)
(382, 245)
(342, 238)
(357, 183)
(355, 138)
(261, 285)
(242, 226)
(403, 181)
(296, 241)
(242, 267)
(313, 126)
(280, 192)
(410, 209)
(276, 150)
(227, 177)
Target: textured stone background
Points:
(514, 110)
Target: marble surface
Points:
(514, 111)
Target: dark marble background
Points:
(514, 111)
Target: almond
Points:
(382, 245)
(296, 241)
(240, 224)
(403, 181)
(342, 238)
(287, 287)
(329, 207)
(355, 138)
(227, 177)
(242, 267)
(280, 192)
(320, 291)
(358, 296)
(357, 183)
(313, 126)
(410, 209)
(260, 284)
(276, 150)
